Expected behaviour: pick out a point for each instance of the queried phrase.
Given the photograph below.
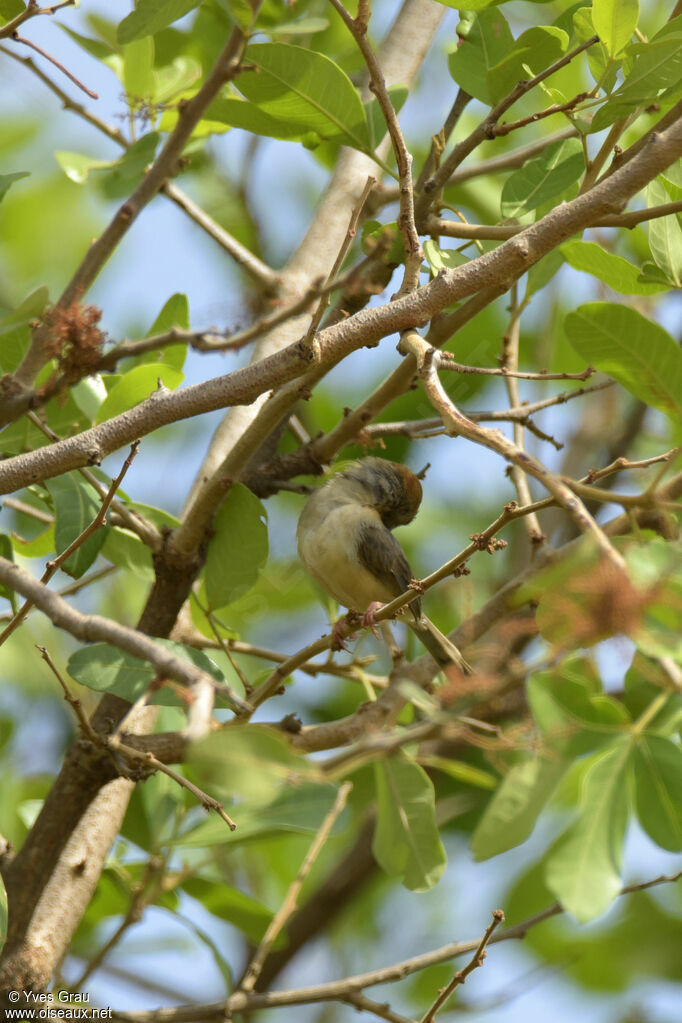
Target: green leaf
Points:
(657, 66)
(487, 41)
(375, 118)
(406, 841)
(544, 271)
(614, 22)
(573, 717)
(535, 49)
(658, 790)
(544, 178)
(7, 180)
(89, 393)
(75, 506)
(306, 89)
(583, 869)
(121, 176)
(441, 259)
(602, 67)
(665, 235)
(106, 669)
(242, 12)
(239, 547)
(7, 552)
(512, 812)
(300, 27)
(77, 166)
(30, 309)
(151, 16)
(239, 113)
(252, 763)
(636, 352)
(138, 70)
(472, 5)
(297, 809)
(95, 47)
(124, 549)
(460, 770)
(136, 386)
(10, 8)
(176, 78)
(175, 313)
(39, 547)
(618, 273)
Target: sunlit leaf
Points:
(665, 235)
(614, 22)
(536, 48)
(618, 273)
(305, 89)
(634, 350)
(151, 16)
(137, 385)
(543, 178)
(487, 41)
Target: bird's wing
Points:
(382, 555)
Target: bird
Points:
(346, 544)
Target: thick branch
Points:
(504, 264)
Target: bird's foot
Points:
(368, 619)
(349, 620)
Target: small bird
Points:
(345, 542)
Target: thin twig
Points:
(485, 127)
(208, 802)
(456, 229)
(433, 426)
(53, 60)
(406, 221)
(70, 698)
(461, 426)
(52, 566)
(338, 262)
(461, 975)
(94, 628)
(444, 360)
(558, 108)
(136, 523)
(340, 990)
(510, 366)
(289, 904)
(31, 10)
(243, 257)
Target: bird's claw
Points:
(368, 619)
(338, 638)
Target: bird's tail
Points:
(439, 646)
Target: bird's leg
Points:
(368, 619)
(351, 620)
